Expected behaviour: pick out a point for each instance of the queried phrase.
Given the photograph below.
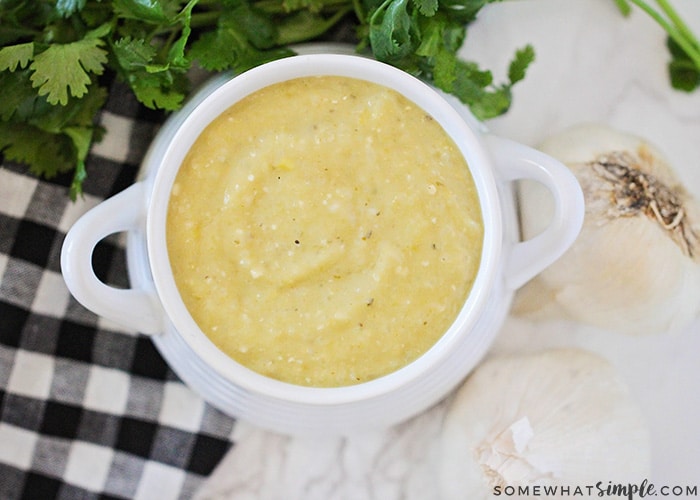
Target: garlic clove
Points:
(635, 267)
(561, 417)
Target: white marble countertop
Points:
(592, 65)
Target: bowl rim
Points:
(352, 66)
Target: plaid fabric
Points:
(88, 410)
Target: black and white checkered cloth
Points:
(88, 410)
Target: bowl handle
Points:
(515, 161)
(138, 309)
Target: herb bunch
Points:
(54, 52)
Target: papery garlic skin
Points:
(634, 268)
(557, 418)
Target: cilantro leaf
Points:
(133, 54)
(445, 70)
(427, 7)
(150, 11)
(64, 67)
(17, 92)
(684, 73)
(215, 50)
(518, 66)
(391, 31)
(256, 28)
(16, 56)
(77, 113)
(232, 46)
(475, 87)
(18, 142)
(492, 103)
(432, 38)
(153, 94)
(176, 54)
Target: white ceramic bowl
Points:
(153, 305)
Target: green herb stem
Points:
(624, 7)
(17, 33)
(286, 38)
(163, 52)
(677, 20)
(359, 10)
(205, 19)
(205, 4)
(676, 29)
(281, 7)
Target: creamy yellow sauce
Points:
(324, 231)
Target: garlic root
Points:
(561, 417)
(635, 267)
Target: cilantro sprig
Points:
(683, 45)
(423, 37)
(53, 54)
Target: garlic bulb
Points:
(635, 267)
(556, 418)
